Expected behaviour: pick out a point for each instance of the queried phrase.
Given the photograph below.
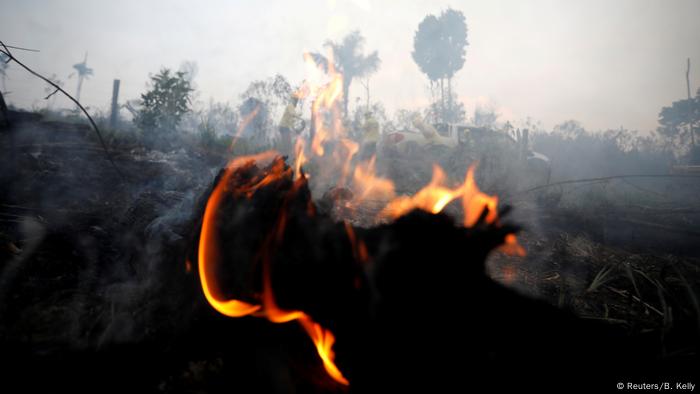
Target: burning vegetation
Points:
(218, 249)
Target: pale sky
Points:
(606, 63)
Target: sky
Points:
(607, 64)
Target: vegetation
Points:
(680, 123)
(348, 59)
(165, 103)
(439, 50)
(261, 102)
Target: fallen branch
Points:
(6, 52)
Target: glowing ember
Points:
(512, 247)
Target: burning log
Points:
(406, 298)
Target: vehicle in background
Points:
(439, 139)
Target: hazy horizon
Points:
(605, 64)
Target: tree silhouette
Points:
(439, 50)
(681, 119)
(349, 60)
(84, 72)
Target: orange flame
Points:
(209, 256)
(300, 160)
(351, 148)
(474, 201)
(243, 125)
(437, 195)
(367, 185)
(432, 198)
(327, 97)
(324, 340)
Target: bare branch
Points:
(7, 53)
(52, 93)
(22, 49)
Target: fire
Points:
(437, 195)
(432, 198)
(512, 247)
(367, 185)
(324, 340)
(327, 124)
(301, 159)
(209, 256)
(243, 125)
(474, 201)
(345, 155)
(327, 100)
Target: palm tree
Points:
(349, 60)
(83, 73)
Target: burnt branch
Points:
(6, 51)
(51, 94)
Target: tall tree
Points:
(349, 60)
(439, 50)
(84, 72)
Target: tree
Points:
(570, 129)
(681, 120)
(349, 60)
(485, 117)
(439, 50)
(84, 72)
(260, 101)
(165, 103)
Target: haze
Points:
(605, 64)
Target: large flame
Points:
(208, 254)
(368, 186)
(326, 88)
